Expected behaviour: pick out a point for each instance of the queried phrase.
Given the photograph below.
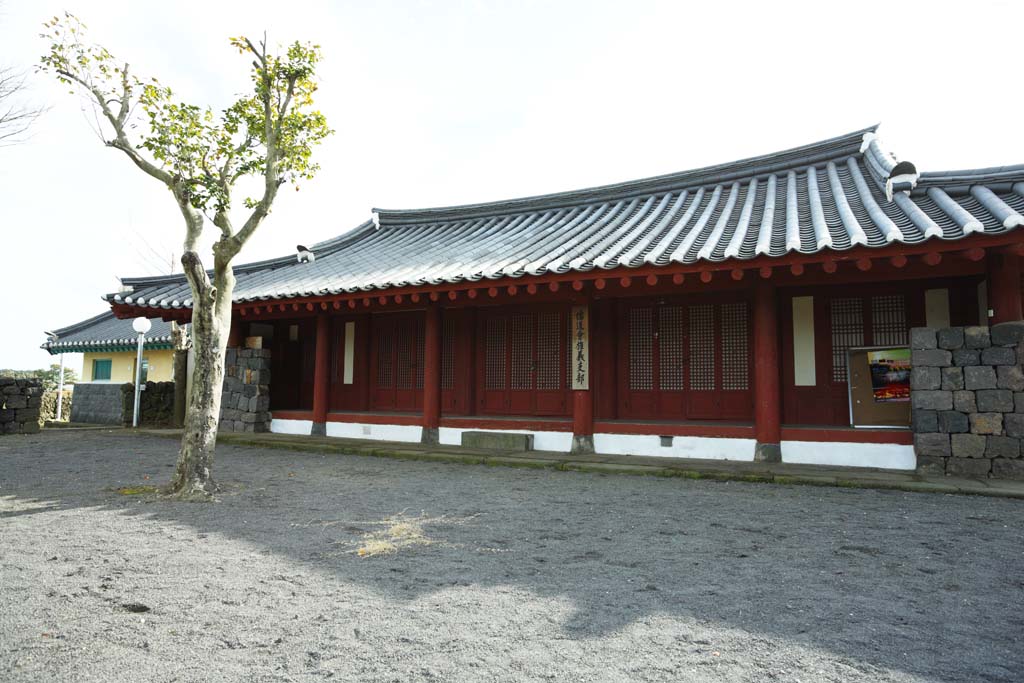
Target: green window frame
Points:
(101, 369)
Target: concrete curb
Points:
(773, 473)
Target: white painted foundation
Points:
(358, 430)
(839, 454)
(542, 441)
(888, 456)
(703, 447)
(302, 427)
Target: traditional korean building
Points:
(723, 312)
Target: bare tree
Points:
(268, 134)
(16, 116)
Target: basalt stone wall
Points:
(967, 400)
(19, 405)
(97, 403)
(245, 403)
(156, 405)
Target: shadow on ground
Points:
(876, 585)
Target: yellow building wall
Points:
(122, 365)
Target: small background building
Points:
(108, 347)
(109, 351)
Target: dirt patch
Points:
(476, 573)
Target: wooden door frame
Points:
(716, 299)
(486, 313)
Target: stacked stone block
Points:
(967, 400)
(156, 405)
(20, 400)
(98, 403)
(245, 402)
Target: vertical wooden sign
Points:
(580, 339)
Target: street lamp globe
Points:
(141, 325)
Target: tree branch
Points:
(197, 277)
(14, 119)
(120, 140)
(122, 114)
(223, 221)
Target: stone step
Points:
(498, 441)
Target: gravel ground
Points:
(311, 567)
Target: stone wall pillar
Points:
(245, 403)
(967, 400)
(20, 400)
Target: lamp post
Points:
(140, 325)
(60, 387)
(60, 381)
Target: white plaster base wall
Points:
(703, 447)
(358, 430)
(876, 455)
(542, 441)
(302, 427)
(888, 456)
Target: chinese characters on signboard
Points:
(579, 327)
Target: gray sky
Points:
(438, 103)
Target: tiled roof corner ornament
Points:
(899, 177)
(376, 220)
(902, 178)
(305, 255)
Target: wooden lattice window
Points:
(405, 363)
(702, 347)
(641, 349)
(735, 347)
(421, 353)
(549, 366)
(847, 318)
(494, 353)
(385, 355)
(522, 351)
(448, 353)
(889, 320)
(671, 349)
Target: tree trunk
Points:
(180, 366)
(211, 322)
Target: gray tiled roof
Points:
(106, 332)
(829, 195)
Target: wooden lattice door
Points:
(524, 368)
(397, 362)
(686, 361)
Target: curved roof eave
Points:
(774, 162)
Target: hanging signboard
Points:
(579, 339)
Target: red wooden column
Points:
(581, 379)
(1004, 297)
(582, 421)
(235, 337)
(321, 374)
(767, 397)
(432, 375)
